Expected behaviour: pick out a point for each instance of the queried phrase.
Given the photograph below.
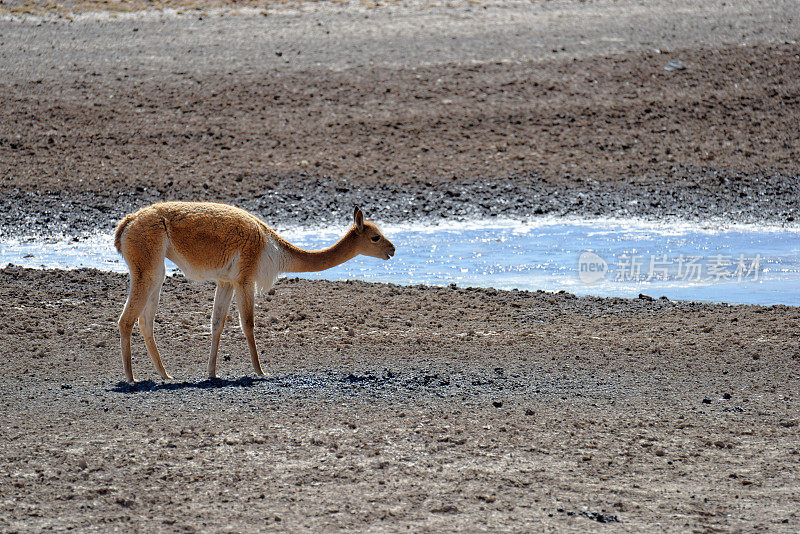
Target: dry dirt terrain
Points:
(554, 108)
(400, 409)
(390, 408)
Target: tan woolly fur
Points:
(225, 244)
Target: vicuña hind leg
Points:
(141, 287)
(245, 298)
(146, 320)
(222, 303)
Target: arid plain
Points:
(384, 407)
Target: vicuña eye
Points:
(376, 238)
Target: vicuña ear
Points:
(358, 219)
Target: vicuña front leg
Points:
(245, 298)
(222, 303)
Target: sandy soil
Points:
(389, 408)
(283, 119)
(398, 408)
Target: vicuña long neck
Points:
(301, 261)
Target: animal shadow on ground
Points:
(208, 383)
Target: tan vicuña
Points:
(228, 245)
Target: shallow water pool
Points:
(604, 257)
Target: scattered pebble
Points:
(600, 517)
(675, 65)
(446, 509)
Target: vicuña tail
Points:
(121, 228)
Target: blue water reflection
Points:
(742, 264)
(736, 264)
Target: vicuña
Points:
(210, 241)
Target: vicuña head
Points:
(210, 241)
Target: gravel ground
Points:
(398, 408)
(413, 113)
